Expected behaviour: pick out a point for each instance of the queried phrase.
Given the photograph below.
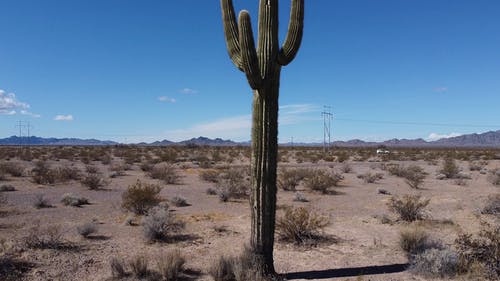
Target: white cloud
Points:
(9, 105)
(238, 127)
(68, 117)
(436, 136)
(25, 112)
(166, 99)
(188, 91)
(440, 89)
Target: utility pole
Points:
(327, 123)
(24, 130)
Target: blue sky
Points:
(134, 71)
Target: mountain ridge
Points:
(487, 139)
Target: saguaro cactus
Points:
(262, 66)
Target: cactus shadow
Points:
(347, 272)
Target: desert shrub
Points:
(383, 191)
(65, 174)
(494, 176)
(48, 237)
(86, 229)
(320, 180)
(146, 166)
(165, 172)
(159, 224)
(435, 263)
(210, 175)
(7, 188)
(93, 181)
(289, 179)
(179, 201)
(492, 206)
(409, 207)
(139, 266)
(242, 268)
(477, 165)
(346, 168)
(414, 176)
(484, 249)
(450, 168)
(299, 197)
(14, 169)
(414, 240)
(41, 201)
(233, 183)
(395, 170)
(370, 177)
(91, 169)
(69, 199)
(117, 266)
(43, 174)
(140, 197)
(171, 265)
(300, 225)
(211, 191)
(222, 269)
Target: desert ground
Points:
(360, 242)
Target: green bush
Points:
(409, 208)
(300, 225)
(140, 197)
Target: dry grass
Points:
(300, 225)
(140, 197)
(409, 207)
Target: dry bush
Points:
(94, 181)
(395, 169)
(43, 174)
(346, 168)
(211, 191)
(117, 268)
(65, 174)
(414, 176)
(139, 266)
(179, 201)
(477, 165)
(289, 179)
(435, 263)
(299, 197)
(69, 199)
(483, 249)
(91, 169)
(492, 206)
(140, 197)
(300, 225)
(242, 268)
(14, 169)
(7, 188)
(414, 240)
(171, 265)
(494, 176)
(450, 168)
(371, 178)
(409, 207)
(47, 237)
(210, 175)
(41, 201)
(159, 224)
(86, 229)
(222, 269)
(165, 172)
(320, 180)
(233, 183)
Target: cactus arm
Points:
(248, 53)
(231, 32)
(294, 36)
(268, 45)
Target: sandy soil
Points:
(365, 245)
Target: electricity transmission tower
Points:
(24, 130)
(327, 126)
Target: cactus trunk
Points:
(262, 67)
(264, 163)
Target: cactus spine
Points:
(262, 67)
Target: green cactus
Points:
(262, 66)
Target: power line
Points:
(327, 125)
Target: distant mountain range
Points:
(488, 139)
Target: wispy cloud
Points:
(436, 136)
(440, 89)
(188, 91)
(68, 117)
(238, 127)
(166, 99)
(9, 105)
